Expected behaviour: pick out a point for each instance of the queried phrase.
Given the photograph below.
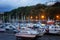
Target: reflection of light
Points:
(36, 20)
(43, 24)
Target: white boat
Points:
(55, 29)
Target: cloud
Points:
(11, 4)
(4, 8)
(17, 3)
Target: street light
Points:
(57, 17)
(31, 17)
(42, 16)
(36, 17)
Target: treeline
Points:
(34, 10)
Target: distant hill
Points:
(27, 10)
(56, 4)
(35, 10)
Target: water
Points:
(11, 36)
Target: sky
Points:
(8, 5)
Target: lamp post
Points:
(57, 17)
(9, 18)
(36, 18)
(42, 17)
(3, 17)
(22, 16)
